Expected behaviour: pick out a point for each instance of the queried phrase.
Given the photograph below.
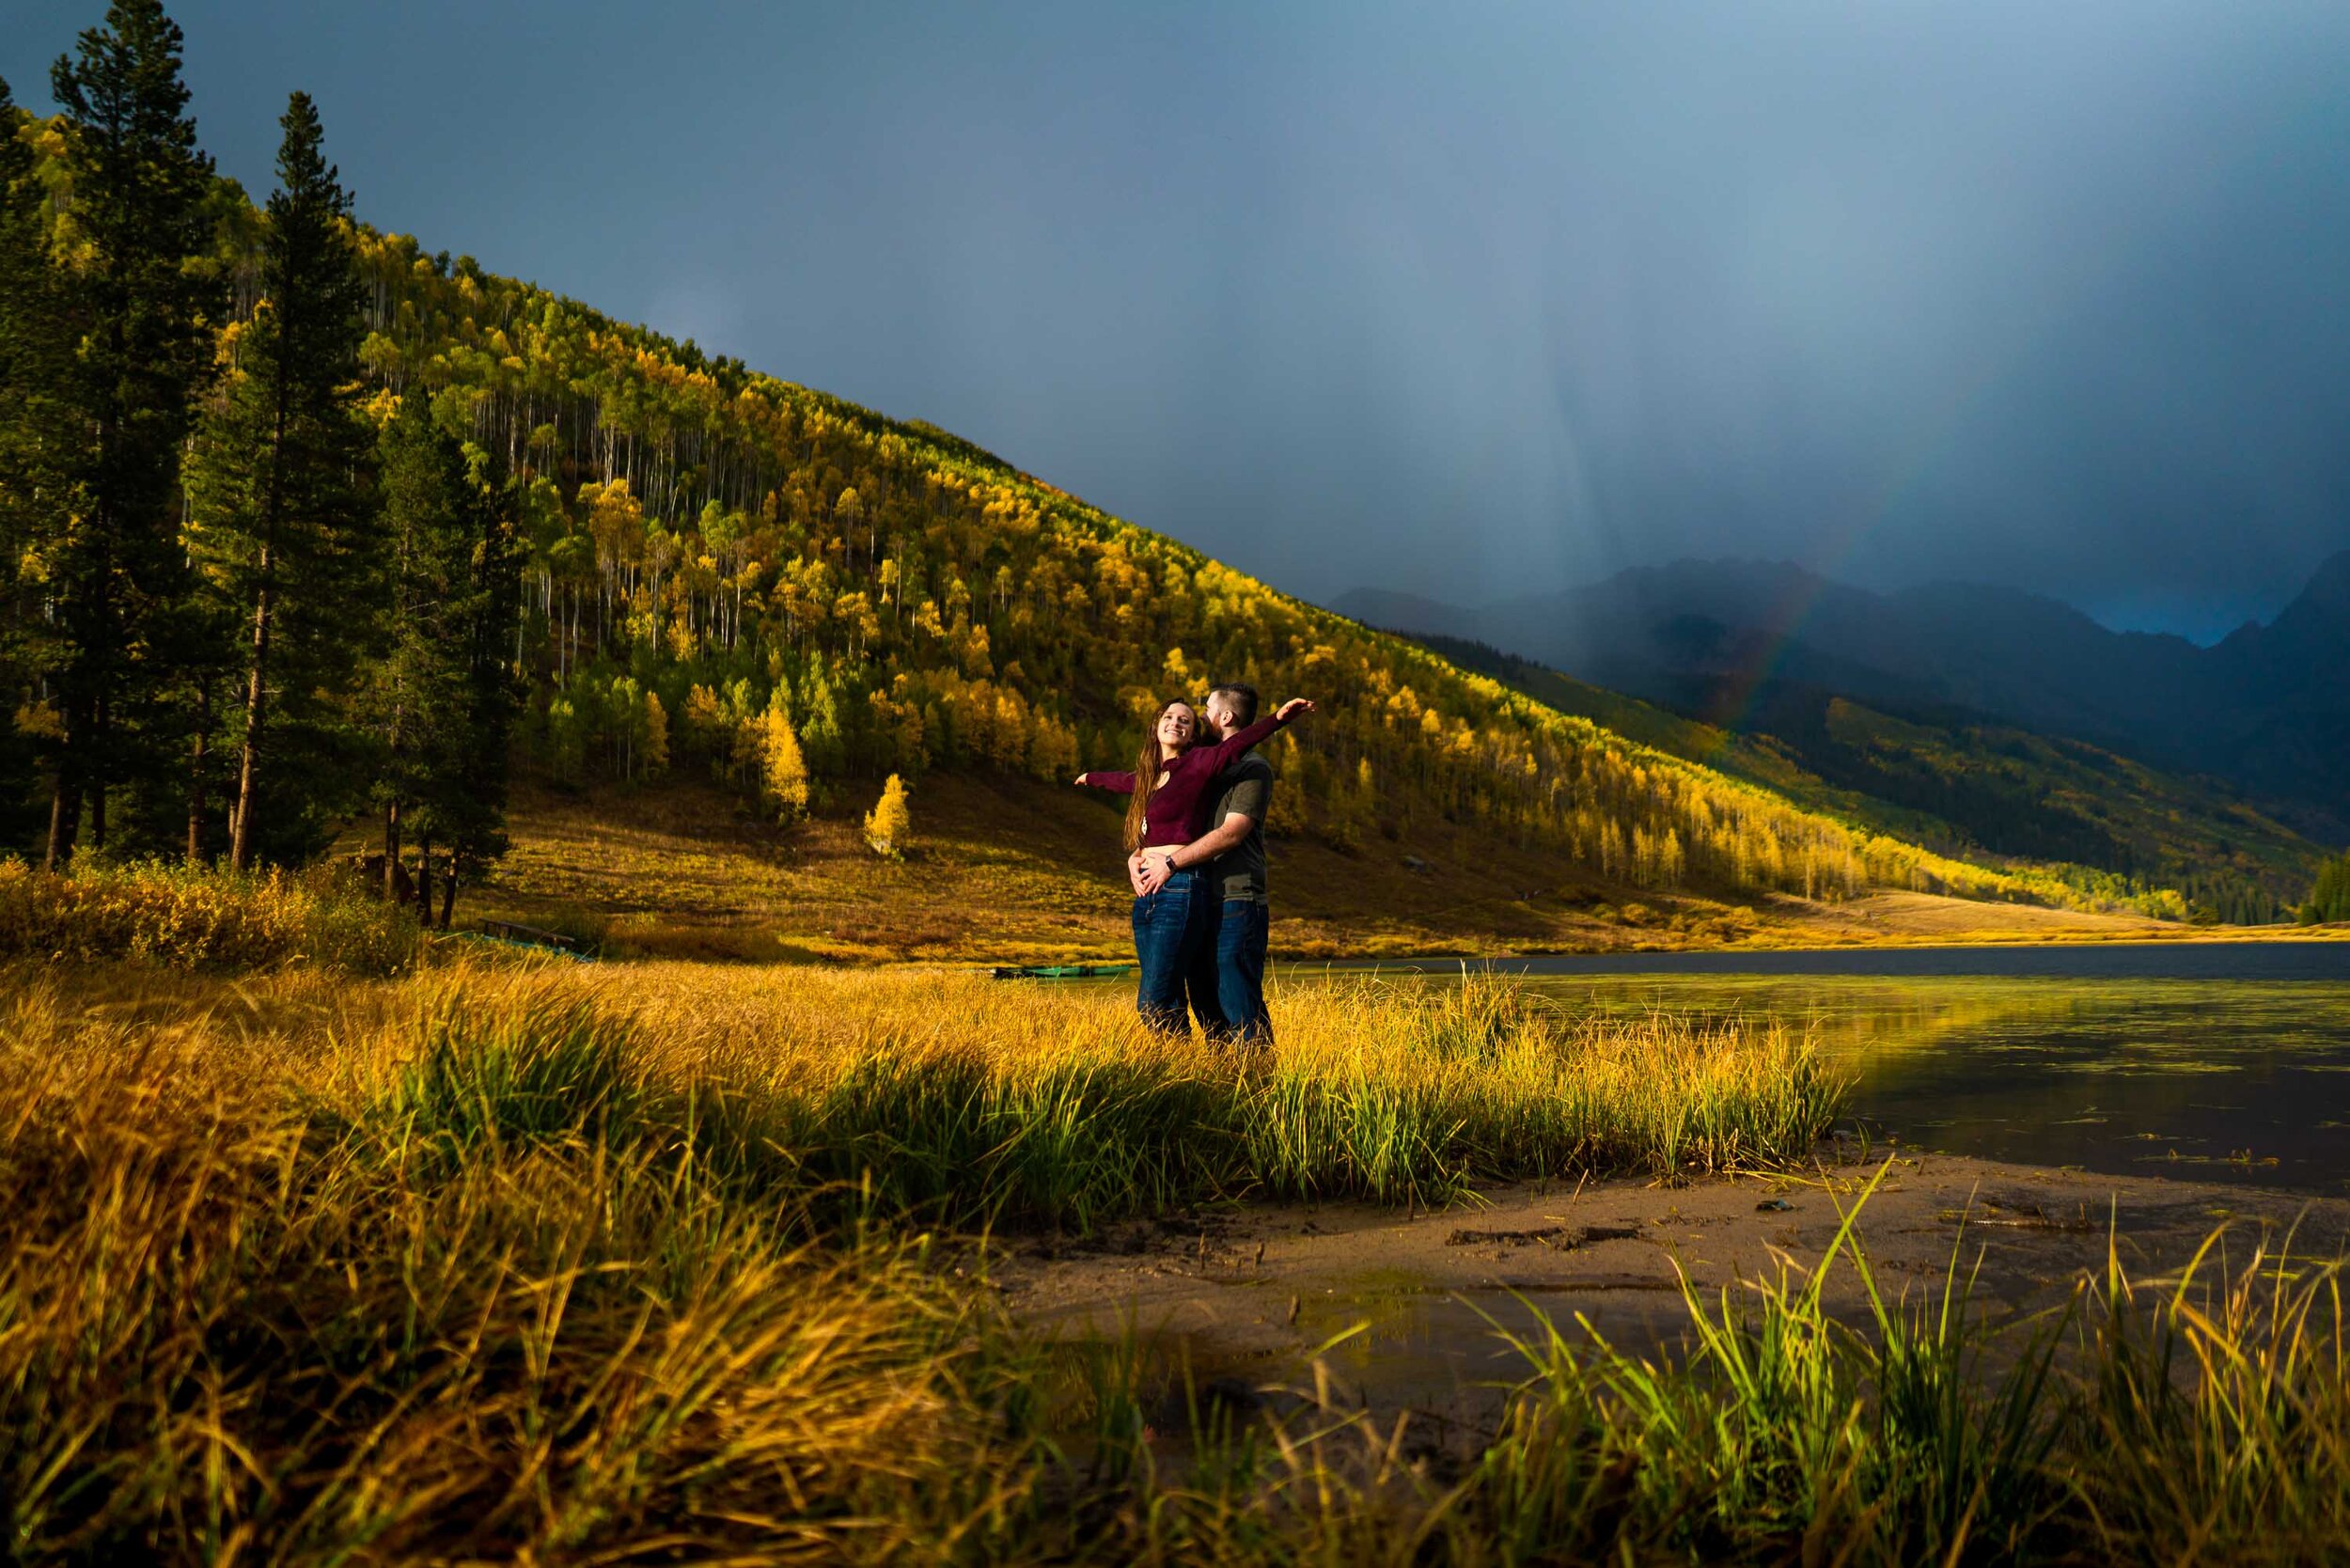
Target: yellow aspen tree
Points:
(1007, 731)
(783, 771)
(628, 716)
(704, 719)
(657, 736)
(855, 611)
(848, 515)
(972, 649)
(889, 825)
(1051, 748)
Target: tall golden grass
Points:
(576, 1265)
(554, 1260)
(940, 1090)
(234, 1325)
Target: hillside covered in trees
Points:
(718, 556)
(1962, 785)
(429, 517)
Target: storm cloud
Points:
(1469, 300)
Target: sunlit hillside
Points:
(712, 542)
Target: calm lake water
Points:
(2217, 1061)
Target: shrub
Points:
(186, 917)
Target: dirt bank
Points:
(1256, 1296)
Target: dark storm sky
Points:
(1469, 300)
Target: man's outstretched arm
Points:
(1151, 867)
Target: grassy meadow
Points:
(557, 1260)
(535, 1261)
(1006, 870)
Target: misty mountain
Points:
(1964, 786)
(1738, 643)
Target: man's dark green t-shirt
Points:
(1246, 787)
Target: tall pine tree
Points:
(142, 298)
(469, 806)
(36, 444)
(285, 520)
(2329, 896)
(416, 694)
(445, 693)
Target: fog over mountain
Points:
(1442, 298)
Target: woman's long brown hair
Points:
(1148, 766)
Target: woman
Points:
(1169, 808)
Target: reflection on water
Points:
(2213, 1078)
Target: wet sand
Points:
(1252, 1298)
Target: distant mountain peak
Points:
(2330, 585)
(2267, 708)
(2310, 637)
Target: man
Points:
(1226, 985)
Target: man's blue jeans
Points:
(1170, 930)
(1227, 980)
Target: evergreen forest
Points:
(2330, 896)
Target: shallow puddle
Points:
(1399, 1342)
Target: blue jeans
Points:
(1227, 978)
(1170, 928)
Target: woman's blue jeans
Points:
(1169, 926)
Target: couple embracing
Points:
(1195, 844)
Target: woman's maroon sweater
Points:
(1178, 809)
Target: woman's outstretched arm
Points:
(1116, 783)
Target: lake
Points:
(2215, 1060)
